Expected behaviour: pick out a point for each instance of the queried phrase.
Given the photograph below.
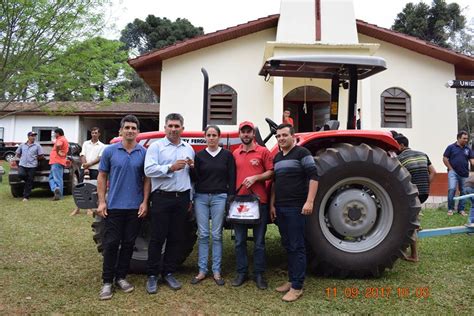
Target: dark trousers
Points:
(121, 230)
(27, 175)
(168, 214)
(93, 173)
(291, 224)
(259, 231)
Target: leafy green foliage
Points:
(47, 52)
(155, 32)
(438, 23)
(143, 36)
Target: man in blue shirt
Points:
(456, 158)
(29, 154)
(167, 163)
(127, 203)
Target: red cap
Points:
(246, 123)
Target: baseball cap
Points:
(246, 123)
(32, 133)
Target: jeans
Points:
(291, 224)
(121, 230)
(469, 190)
(259, 231)
(27, 175)
(168, 216)
(56, 177)
(213, 206)
(454, 180)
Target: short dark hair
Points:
(174, 117)
(402, 140)
(282, 126)
(394, 134)
(130, 118)
(218, 130)
(95, 128)
(287, 110)
(460, 133)
(59, 131)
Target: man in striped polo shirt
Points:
(422, 173)
(293, 193)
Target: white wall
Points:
(17, 126)
(235, 63)
(434, 111)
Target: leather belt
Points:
(172, 193)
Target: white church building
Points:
(410, 97)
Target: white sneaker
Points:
(470, 225)
(106, 292)
(124, 285)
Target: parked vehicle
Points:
(71, 171)
(366, 207)
(7, 152)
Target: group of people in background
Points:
(31, 153)
(162, 178)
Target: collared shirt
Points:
(250, 163)
(92, 151)
(126, 175)
(29, 154)
(159, 158)
(61, 156)
(459, 158)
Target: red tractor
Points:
(366, 207)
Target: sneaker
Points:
(261, 282)
(292, 295)
(285, 287)
(152, 284)
(124, 285)
(106, 292)
(462, 213)
(57, 194)
(470, 225)
(25, 200)
(172, 282)
(450, 213)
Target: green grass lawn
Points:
(49, 265)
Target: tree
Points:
(438, 23)
(35, 37)
(143, 36)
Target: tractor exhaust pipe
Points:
(205, 99)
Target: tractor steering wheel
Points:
(273, 127)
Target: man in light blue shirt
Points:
(167, 163)
(29, 154)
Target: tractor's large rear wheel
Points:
(365, 212)
(140, 250)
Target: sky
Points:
(215, 15)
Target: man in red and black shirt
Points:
(293, 193)
(253, 167)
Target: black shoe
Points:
(57, 194)
(172, 282)
(239, 279)
(261, 282)
(152, 284)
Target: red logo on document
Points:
(242, 208)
